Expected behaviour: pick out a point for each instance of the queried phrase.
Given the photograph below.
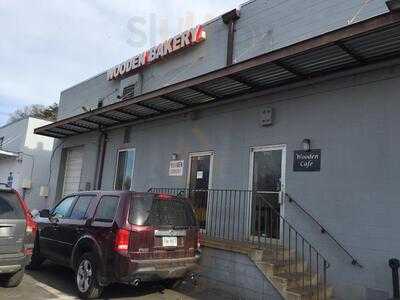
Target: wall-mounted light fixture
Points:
(174, 156)
(306, 143)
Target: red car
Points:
(119, 236)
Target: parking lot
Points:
(56, 282)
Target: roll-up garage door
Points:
(73, 170)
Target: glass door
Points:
(199, 181)
(267, 183)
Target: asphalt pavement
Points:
(57, 282)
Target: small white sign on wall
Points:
(176, 168)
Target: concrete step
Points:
(288, 264)
(288, 280)
(307, 293)
(273, 267)
(281, 267)
(241, 247)
(274, 253)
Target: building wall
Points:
(33, 163)
(264, 26)
(354, 121)
(86, 94)
(236, 274)
(90, 144)
(14, 135)
(37, 154)
(269, 25)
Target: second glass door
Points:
(267, 183)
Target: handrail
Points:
(354, 261)
(254, 218)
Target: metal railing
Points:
(354, 261)
(254, 217)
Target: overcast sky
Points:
(48, 46)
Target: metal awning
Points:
(360, 44)
(8, 154)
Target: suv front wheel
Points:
(85, 279)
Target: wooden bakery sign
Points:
(181, 41)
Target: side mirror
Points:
(44, 213)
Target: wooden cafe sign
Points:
(307, 161)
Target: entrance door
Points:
(267, 180)
(199, 181)
(73, 169)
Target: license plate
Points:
(169, 241)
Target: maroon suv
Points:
(119, 236)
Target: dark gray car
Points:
(17, 234)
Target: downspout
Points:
(96, 171)
(100, 165)
(230, 19)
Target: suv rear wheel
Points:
(85, 279)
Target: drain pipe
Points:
(394, 264)
(230, 19)
(100, 164)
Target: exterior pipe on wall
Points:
(230, 19)
(96, 171)
(102, 157)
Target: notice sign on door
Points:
(307, 161)
(176, 168)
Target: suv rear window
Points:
(152, 210)
(9, 206)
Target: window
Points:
(124, 172)
(10, 207)
(149, 210)
(81, 206)
(106, 209)
(63, 208)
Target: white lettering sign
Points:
(185, 39)
(176, 168)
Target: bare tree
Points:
(35, 110)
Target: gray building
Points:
(280, 122)
(24, 159)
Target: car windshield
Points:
(154, 210)
(9, 206)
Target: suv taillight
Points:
(31, 226)
(122, 240)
